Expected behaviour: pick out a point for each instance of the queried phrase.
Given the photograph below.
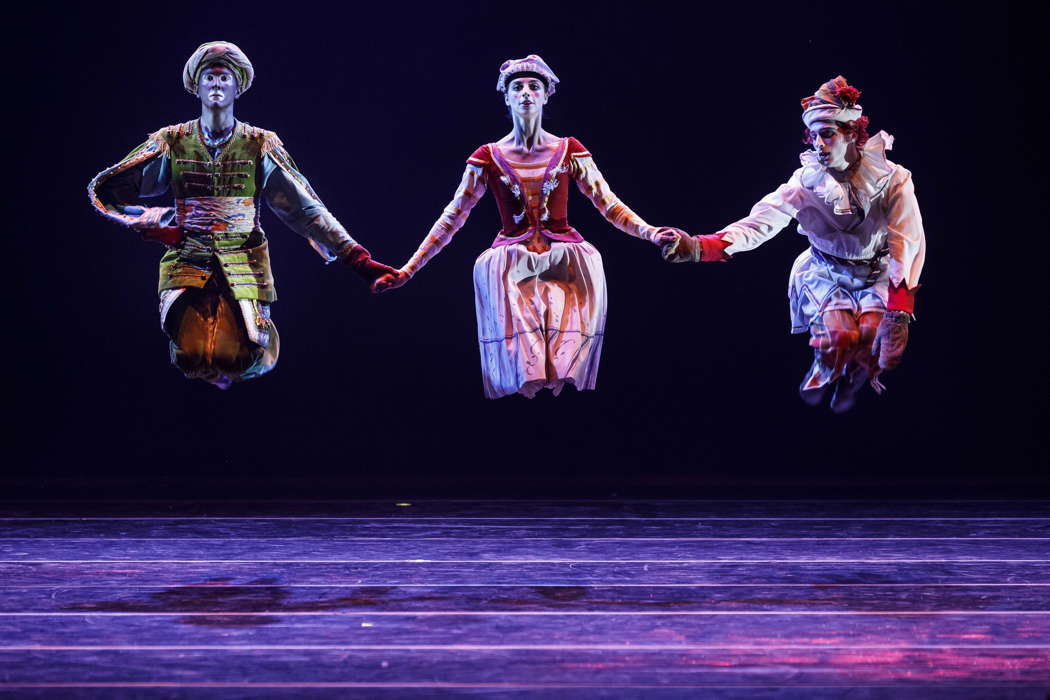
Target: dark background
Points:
(692, 114)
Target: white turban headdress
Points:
(223, 53)
(834, 101)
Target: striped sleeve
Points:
(592, 184)
(471, 188)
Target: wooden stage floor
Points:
(735, 600)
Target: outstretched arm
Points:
(471, 189)
(115, 191)
(767, 218)
(592, 184)
(289, 195)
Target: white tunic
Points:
(872, 218)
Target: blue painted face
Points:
(217, 87)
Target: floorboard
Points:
(262, 595)
(526, 629)
(696, 667)
(523, 573)
(469, 549)
(499, 528)
(501, 691)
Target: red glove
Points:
(361, 262)
(704, 248)
(168, 235)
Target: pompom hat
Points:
(530, 64)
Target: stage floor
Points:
(723, 599)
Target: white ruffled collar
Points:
(867, 180)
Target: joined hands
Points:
(667, 235)
(391, 280)
(703, 248)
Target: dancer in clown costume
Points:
(854, 288)
(215, 281)
(539, 290)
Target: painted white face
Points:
(217, 87)
(830, 144)
(526, 96)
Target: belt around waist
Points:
(215, 215)
(851, 261)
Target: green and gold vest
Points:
(217, 208)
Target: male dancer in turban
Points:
(854, 288)
(215, 282)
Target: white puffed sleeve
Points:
(767, 218)
(905, 237)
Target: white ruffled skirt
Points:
(541, 317)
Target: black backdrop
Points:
(692, 115)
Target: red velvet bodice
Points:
(521, 192)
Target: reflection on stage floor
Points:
(581, 599)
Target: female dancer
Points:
(540, 289)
